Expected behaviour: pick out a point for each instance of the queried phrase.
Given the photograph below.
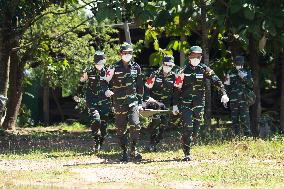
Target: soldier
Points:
(189, 96)
(126, 80)
(240, 81)
(159, 88)
(97, 98)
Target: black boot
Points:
(123, 144)
(124, 156)
(186, 151)
(97, 145)
(134, 153)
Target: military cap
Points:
(99, 55)
(168, 60)
(126, 47)
(195, 49)
(239, 60)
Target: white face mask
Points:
(99, 66)
(126, 57)
(194, 61)
(238, 67)
(167, 69)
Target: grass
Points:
(38, 158)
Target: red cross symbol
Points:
(108, 73)
(150, 81)
(179, 80)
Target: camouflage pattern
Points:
(97, 103)
(189, 96)
(238, 88)
(160, 87)
(127, 85)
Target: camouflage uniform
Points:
(160, 87)
(98, 104)
(127, 85)
(238, 103)
(189, 96)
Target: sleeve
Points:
(140, 85)
(210, 74)
(177, 88)
(149, 84)
(248, 80)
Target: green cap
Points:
(240, 60)
(168, 60)
(195, 49)
(99, 55)
(126, 47)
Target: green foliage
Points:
(66, 44)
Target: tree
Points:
(16, 16)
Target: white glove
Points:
(242, 74)
(143, 105)
(175, 110)
(140, 107)
(225, 99)
(76, 99)
(150, 99)
(108, 93)
(135, 103)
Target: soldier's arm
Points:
(149, 84)
(140, 86)
(177, 88)
(109, 75)
(209, 73)
(247, 79)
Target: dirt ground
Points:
(83, 172)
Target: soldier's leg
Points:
(134, 131)
(95, 124)
(197, 119)
(186, 132)
(104, 112)
(235, 116)
(121, 125)
(244, 118)
(104, 122)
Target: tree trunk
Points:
(58, 106)
(207, 112)
(127, 32)
(5, 49)
(256, 108)
(282, 93)
(46, 103)
(182, 54)
(15, 91)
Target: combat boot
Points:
(97, 145)
(186, 151)
(134, 153)
(124, 156)
(152, 148)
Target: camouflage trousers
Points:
(240, 117)
(191, 117)
(127, 123)
(98, 122)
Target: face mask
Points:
(103, 61)
(99, 66)
(126, 57)
(167, 69)
(238, 67)
(194, 61)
